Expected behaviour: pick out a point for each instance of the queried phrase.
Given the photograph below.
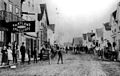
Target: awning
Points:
(2, 28)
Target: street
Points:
(74, 65)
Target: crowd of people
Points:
(11, 53)
(103, 50)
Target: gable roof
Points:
(43, 9)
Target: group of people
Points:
(10, 53)
(52, 51)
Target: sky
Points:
(75, 17)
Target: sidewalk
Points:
(19, 60)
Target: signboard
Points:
(107, 26)
(84, 36)
(21, 26)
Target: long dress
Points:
(9, 54)
(4, 56)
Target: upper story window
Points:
(5, 6)
(119, 4)
(29, 3)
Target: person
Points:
(60, 57)
(4, 55)
(66, 49)
(35, 55)
(10, 58)
(22, 50)
(41, 52)
(109, 46)
(15, 47)
(29, 55)
(114, 45)
(49, 54)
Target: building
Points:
(115, 26)
(10, 11)
(44, 28)
(50, 34)
(77, 41)
(30, 11)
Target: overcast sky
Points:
(74, 17)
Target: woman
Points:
(10, 58)
(4, 55)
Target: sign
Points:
(84, 36)
(21, 26)
(107, 26)
(99, 32)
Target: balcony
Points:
(9, 16)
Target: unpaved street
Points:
(74, 65)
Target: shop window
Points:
(119, 28)
(114, 30)
(2, 36)
(17, 10)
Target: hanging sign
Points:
(21, 26)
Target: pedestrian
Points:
(49, 54)
(22, 50)
(41, 52)
(60, 57)
(29, 55)
(35, 55)
(114, 45)
(4, 55)
(66, 49)
(10, 58)
(15, 48)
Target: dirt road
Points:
(74, 65)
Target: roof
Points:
(43, 8)
(114, 14)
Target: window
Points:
(10, 7)
(114, 30)
(5, 6)
(16, 10)
(29, 3)
(1, 35)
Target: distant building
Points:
(115, 26)
(51, 34)
(77, 41)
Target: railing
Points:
(9, 16)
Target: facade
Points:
(50, 34)
(30, 12)
(116, 26)
(10, 11)
(77, 41)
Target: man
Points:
(22, 50)
(29, 55)
(35, 55)
(60, 57)
(15, 48)
(41, 52)
(114, 45)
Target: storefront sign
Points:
(22, 26)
